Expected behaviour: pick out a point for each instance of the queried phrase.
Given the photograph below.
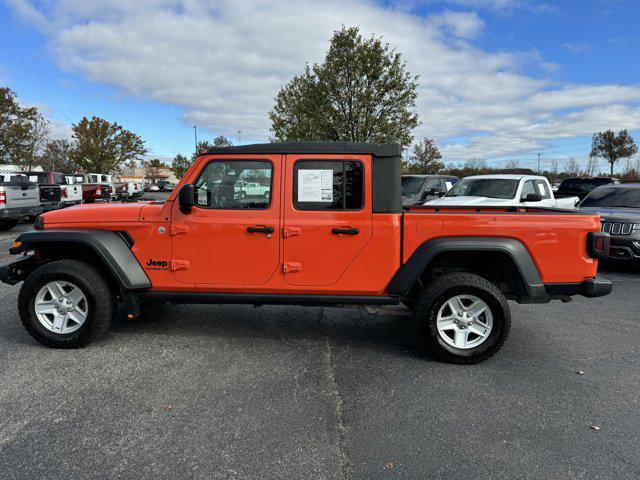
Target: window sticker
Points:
(315, 185)
(448, 185)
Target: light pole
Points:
(195, 136)
(239, 137)
(539, 162)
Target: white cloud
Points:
(224, 61)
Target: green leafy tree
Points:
(613, 147)
(361, 92)
(103, 147)
(23, 131)
(222, 141)
(179, 165)
(153, 170)
(56, 157)
(425, 159)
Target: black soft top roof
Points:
(375, 149)
(387, 161)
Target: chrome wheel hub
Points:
(61, 307)
(464, 321)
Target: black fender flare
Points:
(409, 273)
(110, 247)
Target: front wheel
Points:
(66, 304)
(462, 318)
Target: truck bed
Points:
(555, 239)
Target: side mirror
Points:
(532, 197)
(186, 197)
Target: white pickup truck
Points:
(70, 191)
(504, 191)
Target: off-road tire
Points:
(100, 299)
(6, 225)
(440, 290)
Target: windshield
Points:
(613, 197)
(411, 185)
(583, 184)
(484, 187)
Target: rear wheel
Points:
(462, 318)
(66, 304)
(7, 224)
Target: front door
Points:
(230, 237)
(327, 216)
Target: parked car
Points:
(253, 189)
(128, 189)
(49, 186)
(416, 189)
(95, 188)
(153, 188)
(619, 210)
(333, 232)
(165, 186)
(18, 198)
(504, 191)
(581, 186)
(70, 191)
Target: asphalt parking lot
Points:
(323, 393)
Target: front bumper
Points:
(625, 247)
(18, 212)
(592, 287)
(17, 271)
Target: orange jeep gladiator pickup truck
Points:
(326, 228)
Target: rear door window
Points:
(328, 185)
(543, 189)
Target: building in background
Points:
(158, 174)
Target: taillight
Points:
(598, 244)
(65, 194)
(3, 198)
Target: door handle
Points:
(260, 229)
(345, 231)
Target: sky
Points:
(499, 79)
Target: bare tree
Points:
(572, 167)
(512, 165)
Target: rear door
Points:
(327, 216)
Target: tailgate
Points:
(21, 197)
(49, 193)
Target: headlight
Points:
(636, 226)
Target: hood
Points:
(612, 214)
(96, 213)
(480, 201)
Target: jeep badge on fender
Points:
(158, 264)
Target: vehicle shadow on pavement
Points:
(605, 267)
(351, 327)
